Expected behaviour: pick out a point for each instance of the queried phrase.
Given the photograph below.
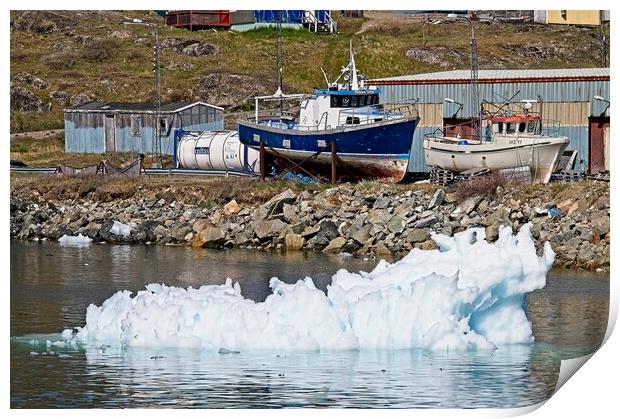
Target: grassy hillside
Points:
(91, 53)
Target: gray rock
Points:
(275, 204)
(200, 225)
(210, 237)
(269, 228)
(417, 235)
(437, 199)
(492, 232)
(290, 213)
(585, 255)
(381, 249)
(179, 234)
(310, 231)
(335, 245)
(23, 77)
(362, 234)
(379, 216)
(427, 213)
(469, 204)
(426, 222)
(396, 224)
(24, 100)
(498, 217)
(600, 224)
(382, 202)
(327, 232)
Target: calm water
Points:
(51, 286)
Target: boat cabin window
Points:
(510, 128)
(354, 101)
(500, 127)
(531, 126)
(521, 126)
(353, 120)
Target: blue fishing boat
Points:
(343, 122)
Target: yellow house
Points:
(574, 17)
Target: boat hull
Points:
(541, 155)
(377, 151)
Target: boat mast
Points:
(474, 92)
(352, 70)
(280, 60)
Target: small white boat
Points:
(510, 142)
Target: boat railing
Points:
(550, 128)
(377, 113)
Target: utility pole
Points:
(474, 92)
(157, 70)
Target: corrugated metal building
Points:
(99, 127)
(577, 98)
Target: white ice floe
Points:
(468, 295)
(78, 240)
(120, 229)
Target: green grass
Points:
(380, 53)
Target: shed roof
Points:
(136, 107)
(493, 76)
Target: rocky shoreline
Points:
(347, 218)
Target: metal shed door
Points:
(108, 128)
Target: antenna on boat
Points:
(353, 84)
(325, 75)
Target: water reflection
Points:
(51, 287)
(512, 376)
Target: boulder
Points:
(381, 249)
(275, 204)
(290, 213)
(469, 204)
(396, 224)
(327, 232)
(179, 233)
(200, 225)
(269, 228)
(232, 207)
(310, 231)
(427, 245)
(600, 225)
(294, 241)
(210, 237)
(498, 217)
(426, 222)
(24, 100)
(492, 232)
(379, 216)
(335, 245)
(23, 77)
(362, 234)
(437, 199)
(417, 235)
(381, 202)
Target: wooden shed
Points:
(99, 127)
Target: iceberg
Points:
(78, 240)
(468, 294)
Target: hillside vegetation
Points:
(61, 58)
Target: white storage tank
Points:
(216, 150)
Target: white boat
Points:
(511, 141)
